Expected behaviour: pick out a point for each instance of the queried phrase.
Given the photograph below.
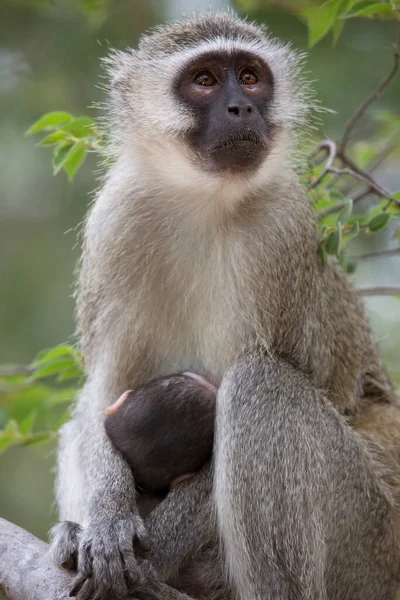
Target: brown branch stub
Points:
(379, 291)
(330, 148)
(379, 254)
(8, 370)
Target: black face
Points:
(229, 96)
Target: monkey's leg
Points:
(301, 509)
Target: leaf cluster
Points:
(71, 138)
(34, 400)
(331, 16)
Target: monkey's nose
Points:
(240, 110)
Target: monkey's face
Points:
(206, 108)
(228, 96)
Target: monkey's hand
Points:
(104, 553)
(107, 560)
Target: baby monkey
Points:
(165, 429)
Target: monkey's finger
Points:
(85, 560)
(130, 567)
(87, 590)
(109, 575)
(101, 595)
(69, 562)
(79, 581)
(147, 571)
(142, 539)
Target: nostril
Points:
(249, 109)
(234, 109)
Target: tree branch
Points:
(15, 370)
(380, 254)
(379, 291)
(330, 147)
(338, 151)
(27, 571)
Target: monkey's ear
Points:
(118, 66)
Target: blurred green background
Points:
(49, 60)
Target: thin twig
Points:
(361, 194)
(379, 254)
(352, 170)
(379, 291)
(364, 177)
(15, 370)
(371, 98)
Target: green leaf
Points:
(336, 195)
(9, 435)
(72, 373)
(378, 222)
(346, 211)
(51, 354)
(61, 396)
(74, 159)
(394, 207)
(79, 127)
(323, 254)
(337, 29)
(52, 139)
(11, 427)
(27, 424)
(49, 121)
(349, 266)
(369, 11)
(53, 368)
(38, 438)
(60, 155)
(354, 231)
(320, 20)
(333, 241)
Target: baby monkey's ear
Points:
(113, 408)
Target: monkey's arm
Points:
(96, 488)
(181, 524)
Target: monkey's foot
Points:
(107, 563)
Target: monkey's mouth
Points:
(239, 152)
(247, 139)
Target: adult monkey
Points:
(200, 253)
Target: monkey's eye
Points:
(204, 78)
(247, 77)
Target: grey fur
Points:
(183, 270)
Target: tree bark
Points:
(27, 571)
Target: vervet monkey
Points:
(165, 429)
(200, 254)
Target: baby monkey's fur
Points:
(200, 253)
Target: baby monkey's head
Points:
(165, 429)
